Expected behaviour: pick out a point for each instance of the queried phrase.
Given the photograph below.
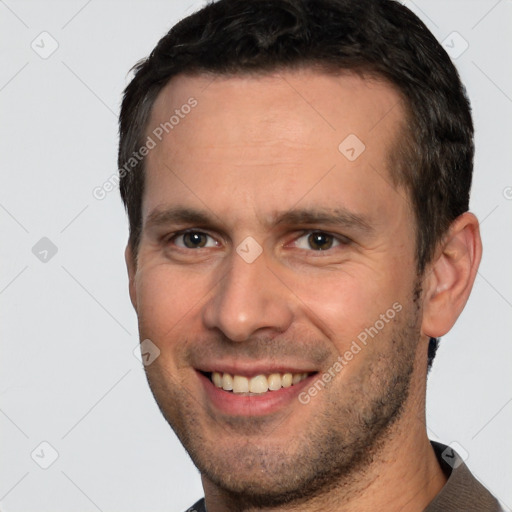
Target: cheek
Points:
(347, 306)
(167, 302)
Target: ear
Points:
(131, 266)
(449, 280)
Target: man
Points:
(296, 175)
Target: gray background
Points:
(68, 374)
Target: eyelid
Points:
(341, 239)
(172, 237)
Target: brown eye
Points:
(320, 241)
(192, 240)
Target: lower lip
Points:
(233, 404)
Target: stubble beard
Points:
(334, 449)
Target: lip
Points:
(233, 404)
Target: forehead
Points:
(272, 136)
(328, 102)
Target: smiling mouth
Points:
(257, 385)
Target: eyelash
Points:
(340, 240)
(172, 238)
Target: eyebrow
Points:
(338, 216)
(304, 217)
(178, 215)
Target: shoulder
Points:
(462, 490)
(197, 507)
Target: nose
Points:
(249, 299)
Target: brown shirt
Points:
(461, 493)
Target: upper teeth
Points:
(257, 384)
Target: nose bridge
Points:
(248, 298)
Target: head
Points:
(302, 196)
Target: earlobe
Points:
(131, 268)
(450, 278)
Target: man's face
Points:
(329, 261)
